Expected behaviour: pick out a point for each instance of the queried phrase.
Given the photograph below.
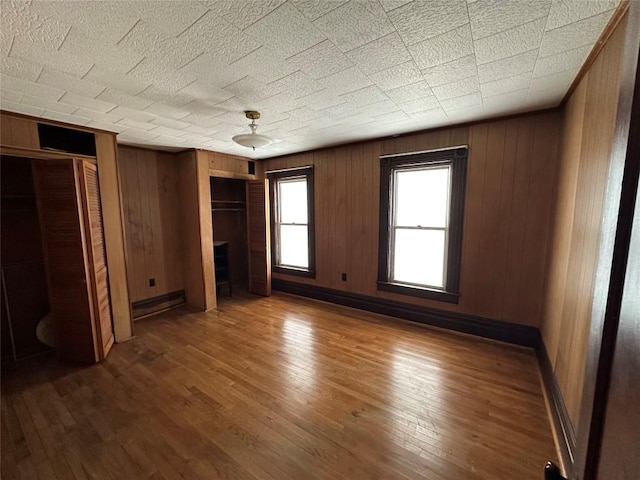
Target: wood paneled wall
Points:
(588, 130)
(510, 178)
(151, 200)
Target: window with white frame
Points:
(292, 221)
(421, 207)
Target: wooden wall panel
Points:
(151, 203)
(19, 132)
(579, 197)
(511, 171)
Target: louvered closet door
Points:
(96, 254)
(57, 187)
(258, 231)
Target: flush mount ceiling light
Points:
(253, 139)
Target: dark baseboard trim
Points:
(147, 306)
(566, 435)
(459, 322)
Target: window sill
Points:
(421, 292)
(298, 272)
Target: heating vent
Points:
(66, 140)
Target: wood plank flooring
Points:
(280, 388)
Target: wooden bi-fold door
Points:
(258, 237)
(73, 239)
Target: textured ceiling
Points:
(180, 74)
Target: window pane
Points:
(422, 197)
(294, 246)
(419, 257)
(292, 200)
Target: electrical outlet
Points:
(344, 277)
(152, 282)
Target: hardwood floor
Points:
(280, 388)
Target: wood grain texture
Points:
(18, 132)
(510, 177)
(151, 204)
(579, 197)
(259, 237)
(281, 388)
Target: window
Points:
(292, 223)
(421, 213)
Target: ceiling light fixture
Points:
(253, 139)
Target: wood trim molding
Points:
(43, 154)
(564, 432)
(615, 19)
(460, 322)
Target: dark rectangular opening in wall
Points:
(66, 140)
(252, 167)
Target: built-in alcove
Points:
(24, 294)
(229, 220)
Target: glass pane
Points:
(292, 200)
(294, 246)
(422, 197)
(419, 257)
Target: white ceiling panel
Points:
(444, 48)
(355, 24)
(177, 74)
(422, 19)
(489, 17)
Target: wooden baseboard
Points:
(563, 428)
(149, 306)
(459, 322)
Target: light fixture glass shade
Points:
(252, 140)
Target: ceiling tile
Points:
(243, 14)
(208, 69)
(564, 12)
(449, 72)
(109, 127)
(443, 48)
(63, 117)
(504, 85)
(106, 57)
(322, 99)
(164, 79)
(463, 102)
(457, 88)
(50, 105)
(574, 35)
(97, 116)
(285, 30)
(205, 92)
(510, 42)
(251, 89)
(507, 67)
(138, 125)
(562, 61)
(419, 105)
(345, 81)
(122, 83)
(420, 20)
(10, 95)
(22, 108)
(429, 117)
(136, 115)
(73, 84)
(505, 103)
(340, 111)
(543, 98)
(117, 98)
(30, 88)
(264, 64)
(389, 5)
(169, 17)
(170, 123)
(54, 59)
(365, 96)
(489, 17)
(355, 24)
(156, 46)
(19, 19)
(320, 60)
(382, 53)
(223, 42)
(106, 21)
(159, 109)
(297, 85)
(159, 95)
(19, 68)
(314, 9)
(397, 76)
(88, 103)
(559, 82)
(409, 92)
